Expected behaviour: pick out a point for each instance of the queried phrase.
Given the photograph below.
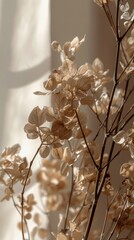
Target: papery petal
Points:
(131, 149)
(37, 116)
(44, 151)
(124, 8)
(97, 65)
(121, 137)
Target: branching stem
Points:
(23, 191)
(86, 141)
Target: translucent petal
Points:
(124, 8)
(126, 16)
(131, 149)
(120, 137)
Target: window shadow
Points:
(16, 79)
(12, 80)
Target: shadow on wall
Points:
(24, 58)
(24, 65)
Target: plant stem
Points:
(86, 141)
(112, 232)
(23, 191)
(69, 200)
(121, 38)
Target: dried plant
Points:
(75, 174)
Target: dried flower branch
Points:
(75, 172)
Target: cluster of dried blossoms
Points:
(75, 175)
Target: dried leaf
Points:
(62, 236)
(88, 100)
(20, 226)
(37, 219)
(69, 67)
(67, 156)
(57, 151)
(31, 131)
(58, 129)
(67, 48)
(84, 83)
(131, 149)
(77, 235)
(34, 232)
(51, 84)
(28, 216)
(39, 93)
(42, 233)
(72, 225)
(37, 116)
(44, 151)
(11, 150)
(120, 137)
(64, 169)
(23, 165)
(76, 42)
(50, 116)
(98, 65)
(13, 172)
(56, 46)
(30, 199)
(83, 69)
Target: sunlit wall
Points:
(24, 65)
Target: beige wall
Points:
(79, 18)
(24, 65)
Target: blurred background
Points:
(27, 29)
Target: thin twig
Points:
(112, 232)
(81, 208)
(109, 17)
(86, 141)
(127, 121)
(97, 195)
(97, 134)
(70, 197)
(23, 191)
(128, 63)
(117, 20)
(105, 221)
(119, 113)
(125, 33)
(122, 119)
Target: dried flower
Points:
(126, 139)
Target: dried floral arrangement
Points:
(75, 173)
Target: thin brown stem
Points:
(109, 17)
(105, 221)
(23, 191)
(117, 20)
(127, 121)
(97, 195)
(128, 63)
(125, 33)
(93, 160)
(123, 118)
(115, 226)
(81, 208)
(69, 200)
(109, 106)
(97, 134)
(119, 113)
